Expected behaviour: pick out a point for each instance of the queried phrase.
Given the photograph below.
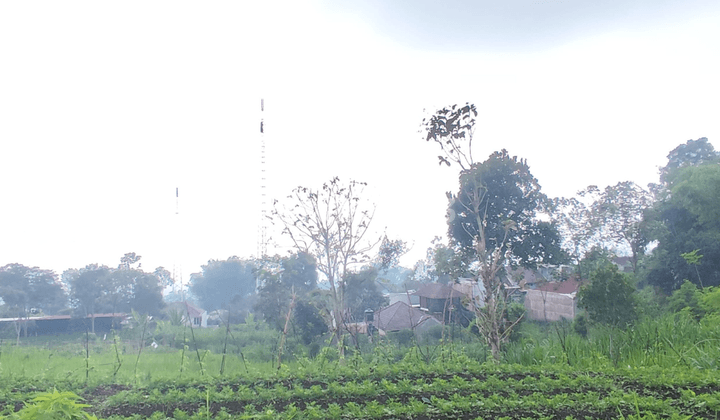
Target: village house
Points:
(552, 301)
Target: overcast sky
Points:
(107, 107)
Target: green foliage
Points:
(308, 322)
(650, 303)
(686, 224)
(505, 191)
(54, 406)
(222, 282)
(687, 296)
(279, 279)
(710, 300)
(609, 298)
(362, 293)
(593, 260)
(515, 316)
(24, 288)
(616, 219)
(97, 289)
(389, 253)
(580, 325)
(692, 153)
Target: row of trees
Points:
(87, 291)
(284, 290)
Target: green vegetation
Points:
(644, 342)
(453, 384)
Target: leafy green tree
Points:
(146, 294)
(442, 264)
(99, 289)
(361, 293)
(609, 298)
(389, 253)
(30, 288)
(223, 281)
(279, 278)
(492, 219)
(686, 222)
(507, 198)
(697, 189)
(87, 286)
(611, 218)
(129, 288)
(618, 216)
(307, 321)
(687, 296)
(691, 153)
(593, 260)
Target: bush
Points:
(53, 405)
(580, 325)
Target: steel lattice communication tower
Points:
(262, 229)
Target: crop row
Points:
(542, 394)
(405, 390)
(455, 406)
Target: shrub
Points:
(54, 406)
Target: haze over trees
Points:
(25, 290)
(292, 279)
(223, 283)
(638, 251)
(96, 289)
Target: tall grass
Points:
(667, 341)
(671, 340)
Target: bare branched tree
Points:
(332, 224)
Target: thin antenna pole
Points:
(177, 266)
(262, 239)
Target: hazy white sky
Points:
(106, 108)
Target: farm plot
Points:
(406, 390)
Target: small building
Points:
(437, 298)
(409, 298)
(552, 301)
(65, 324)
(191, 315)
(401, 316)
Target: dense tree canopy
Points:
(223, 281)
(609, 298)
(287, 280)
(691, 153)
(507, 195)
(361, 293)
(684, 221)
(279, 278)
(98, 289)
(24, 288)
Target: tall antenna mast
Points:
(262, 234)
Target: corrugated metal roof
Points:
(437, 291)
